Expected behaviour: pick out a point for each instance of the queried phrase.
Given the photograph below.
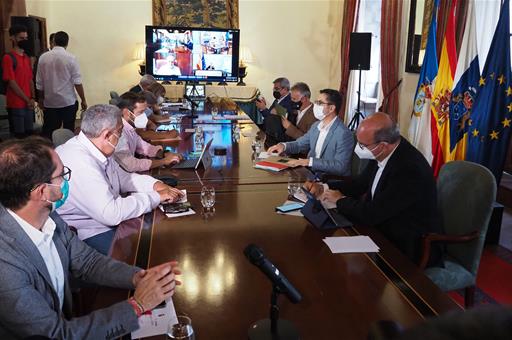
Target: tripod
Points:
(358, 115)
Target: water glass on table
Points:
(294, 186)
(207, 197)
(182, 330)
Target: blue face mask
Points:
(64, 188)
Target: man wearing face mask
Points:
(329, 143)
(396, 193)
(95, 205)
(281, 93)
(17, 74)
(40, 255)
(133, 111)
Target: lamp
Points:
(245, 57)
(140, 54)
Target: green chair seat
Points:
(452, 277)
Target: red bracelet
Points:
(137, 307)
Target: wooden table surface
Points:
(343, 294)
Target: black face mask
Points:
(276, 94)
(23, 44)
(296, 105)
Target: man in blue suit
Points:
(328, 142)
(281, 93)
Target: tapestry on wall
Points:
(196, 13)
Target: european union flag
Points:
(491, 119)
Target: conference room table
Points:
(343, 295)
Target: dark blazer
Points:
(298, 130)
(404, 206)
(286, 103)
(136, 89)
(30, 305)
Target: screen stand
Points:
(166, 82)
(273, 328)
(179, 82)
(358, 115)
(222, 83)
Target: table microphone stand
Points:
(273, 328)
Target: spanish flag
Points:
(442, 96)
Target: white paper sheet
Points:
(157, 323)
(186, 213)
(263, 155)
(351, 244)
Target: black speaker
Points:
(34, 33)
(360, 51)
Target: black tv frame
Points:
(150, 49)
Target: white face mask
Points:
(363, 153)
(140, 121)
(318, 111)
(160, 100)
(112, 145)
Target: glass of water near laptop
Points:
(294, 186)
(257, 146)
(199, 138)
(208, 197)
(182, 330)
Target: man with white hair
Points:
(143, 84)
(95, 205)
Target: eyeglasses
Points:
(367, 146)
(66, 174)
(319, 102)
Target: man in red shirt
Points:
(20, 86)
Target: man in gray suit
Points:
(39, 255)
(328, 142)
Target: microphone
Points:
(255, 255)
(193, 103)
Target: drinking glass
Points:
(182, 330)
(207, 197)
(294, 186)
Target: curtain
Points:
(350, 9)
(460, 20)
(390, 28)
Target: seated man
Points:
(143, 84)
(39, 255)
(281, 129)
(281, 93)
(328, 142)
(95, 205)
(132, 109)
(396, 193)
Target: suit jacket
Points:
(404, 206)
(336, 155)
(286, 103)
(30, 305)
(295, 131)
(136, 89)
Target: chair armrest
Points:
(433, 237)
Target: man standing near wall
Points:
(17, 75)
(58, 76)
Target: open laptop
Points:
(193, 163)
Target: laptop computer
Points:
(193, 163)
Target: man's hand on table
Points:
(167, 193)
(276, 149)
(298, 162)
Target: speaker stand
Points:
(358, 115)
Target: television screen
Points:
(192, 54)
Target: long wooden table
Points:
(343, 294)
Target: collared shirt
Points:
(131, 143)
(324, 130)
(381, 165)
(43, 240)
(23, 77)
(95, 204)
(301, 114)
(282, 98)
(57, 74)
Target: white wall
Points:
(297, 39)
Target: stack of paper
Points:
(183, 199)
(157, 321)
(351, 244)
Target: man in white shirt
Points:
(95, 205)
(57, 78)
(329, 143)
(39, 255)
